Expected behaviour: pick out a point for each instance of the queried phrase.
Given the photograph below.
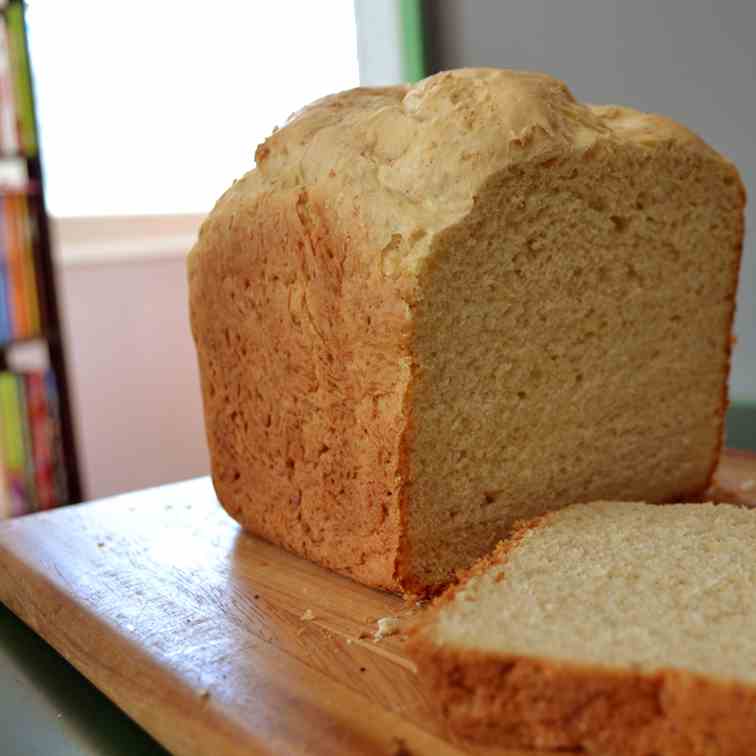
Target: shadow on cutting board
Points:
(47, 707)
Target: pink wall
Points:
(133, 373)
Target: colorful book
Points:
(13, 442)
(33, 472)
(30, 480)
(8, 244)
(21, 71)
(14, 246)
(6, 327)
(20, 314)
(42, 439)
(28, 270)
(11, 265)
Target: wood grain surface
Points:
(219, 643)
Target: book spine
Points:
(9, 244)
(30, 294)
(6, 329)
(16, 296)
(21, 78)
(13, 443)
(42, 435)
(53, 408)
(30, 484)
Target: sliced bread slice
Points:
(616, 628)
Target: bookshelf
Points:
(38, 460)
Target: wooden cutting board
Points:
(219, 643)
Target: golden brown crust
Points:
(729, 335)
(529, 702)
(514, 700)
(303, 360)
(411, 588)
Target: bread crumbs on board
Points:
(386, 626)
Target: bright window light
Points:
(155, 107)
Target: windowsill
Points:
(122, 239)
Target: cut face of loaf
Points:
(432, 311)
(616, 628)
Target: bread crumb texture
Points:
(431, 311)
(619, 628)
(386, 626)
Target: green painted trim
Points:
(412, 40)
(740, 425)
(746, 403)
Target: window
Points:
(155, 107)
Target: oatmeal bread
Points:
(431, 311)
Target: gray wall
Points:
(694, 60)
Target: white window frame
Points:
(104, 240)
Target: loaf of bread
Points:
(608, 628)
(431, 311)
